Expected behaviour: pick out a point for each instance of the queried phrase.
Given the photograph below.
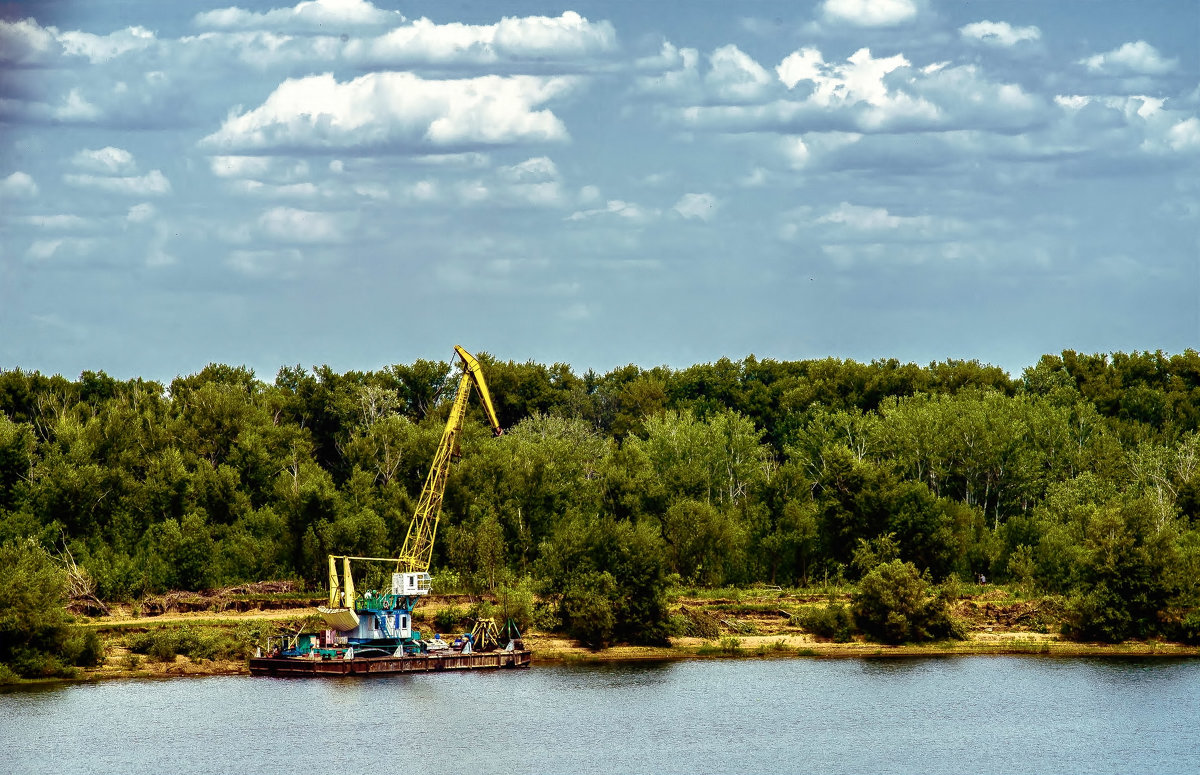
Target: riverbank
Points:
(762, 623)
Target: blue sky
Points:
(357, 184)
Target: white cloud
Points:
(396, 111)
(869, 13)
(18, 185)
(25, 42)
(141, 213)
(107, 160)
(1185, 135)
(734, 76)
(1137, 58)
(859, 80)
(102, 48)
(807, 64)
(616, 208)
(863, 218)
(536, 170)
(75, 107)
(866, 94)
(795, 151)
(329, 16)
(682, 76)
(539, 38)
(271, 168)
(290, 225)
(698, 206)
(999, 33)
(287, 191)
(61, 247)
(153, 183)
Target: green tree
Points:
(36, 637)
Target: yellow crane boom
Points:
(418, 544)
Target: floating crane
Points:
(372, 632)
(383, 619)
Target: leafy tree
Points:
(1128, 575)
(599, 568)
(36, 638)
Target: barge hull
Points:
(300, 666)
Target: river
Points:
(938, 715)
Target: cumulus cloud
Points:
(866, 94)
(1136, 58)
(680, 74)
(999, 33)
(329, 16)
(735, 77)
(537, 38)
(27, 43)
(1185, 135)
(869, 13)
(396, 111)
(76, 108)
(153, 183)
(698, 206)
(291, 225)
(862, 218)
(107, 160)
(540, 169)
(18, 185)
(102, 48)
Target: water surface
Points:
(942, 715)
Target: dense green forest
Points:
(1081, 478)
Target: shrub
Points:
(587, 606)
(895, 604)
(165, 643)
(833, 621)
(517, 602)
(1188, 630)
(448, 619)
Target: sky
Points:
(358, 183)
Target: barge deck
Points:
(415, 663)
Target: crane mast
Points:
(417, 552)
(388, 614)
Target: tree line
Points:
(1080, 478)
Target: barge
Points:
(389, 664)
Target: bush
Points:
(165, 643)
(833, 621)
(587, 607)
(517, 602)
(1188, 630)
(895, 604)
(448, 619)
